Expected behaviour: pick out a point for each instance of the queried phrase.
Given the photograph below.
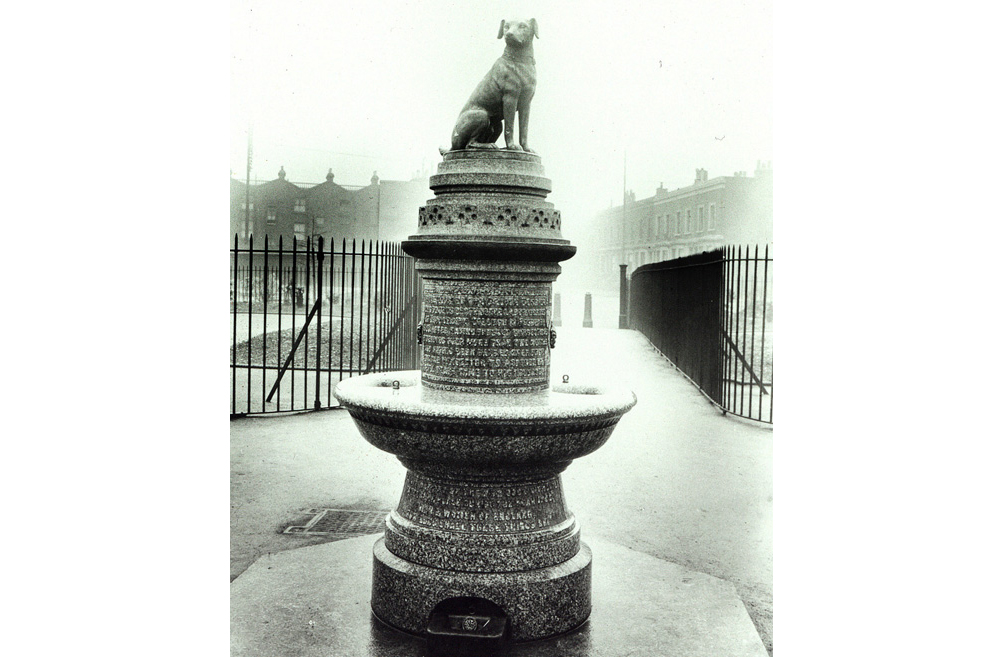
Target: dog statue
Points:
(507, 88)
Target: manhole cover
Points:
(340, 521)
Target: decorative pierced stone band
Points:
(490, 217)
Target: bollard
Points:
(557, 311)
(587, 311)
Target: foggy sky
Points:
(376, 86)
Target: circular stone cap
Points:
(461, 247)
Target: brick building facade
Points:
(383, 210)
(708, 214)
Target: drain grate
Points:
(340, 521)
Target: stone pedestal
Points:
(483, 434)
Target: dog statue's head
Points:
(518, 33)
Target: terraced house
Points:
(385, 209)
(706, 215)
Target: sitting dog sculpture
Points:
(507, 88)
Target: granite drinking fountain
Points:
(482, 432)
(482, 547)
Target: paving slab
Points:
(316, 601)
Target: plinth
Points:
(482, 433)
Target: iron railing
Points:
(304, 318)
(710, 314)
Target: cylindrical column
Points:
(488, 248)
(485, 327)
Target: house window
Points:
(679, 223)
(300, 232)
(700, 225)
(689, 221)
(710, 219)
(272, 216)
(300, 205)
(320, 221)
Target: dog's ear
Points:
(535, 27)
(500, 32)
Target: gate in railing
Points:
(303, 318)
(711, 315)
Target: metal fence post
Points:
(233, 357)
(319, 256)
(250, 312)
(623, 298)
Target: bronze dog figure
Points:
(507, 88)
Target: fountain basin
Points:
(418, 423)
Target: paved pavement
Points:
(677, 480)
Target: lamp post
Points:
(624, 211)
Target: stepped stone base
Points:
(316, 601)
(540, 603)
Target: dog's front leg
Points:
(510, 105)
(523, 111)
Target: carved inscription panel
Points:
(482, 508)
(486, 335)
